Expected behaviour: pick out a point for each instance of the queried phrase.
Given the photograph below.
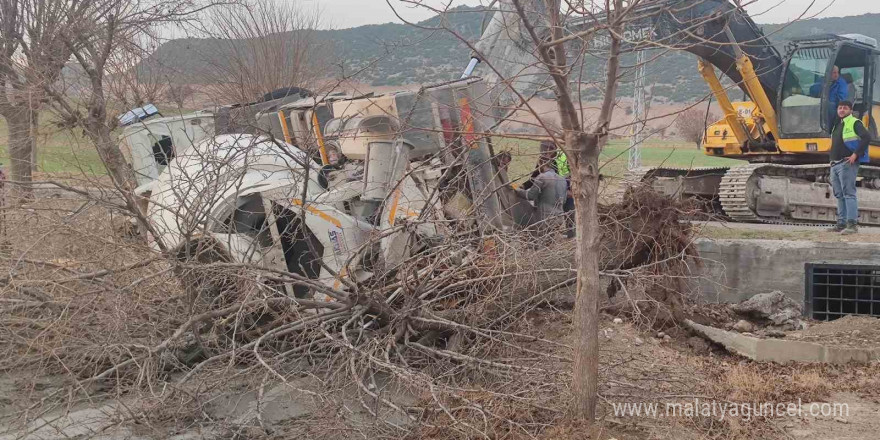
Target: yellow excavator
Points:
(782, 130)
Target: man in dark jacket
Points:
(548, 192)
(558, 162)
(849, 148)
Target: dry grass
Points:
(743, 381)
(80, 305)
(744, 385)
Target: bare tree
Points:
(179, 94)
(264, 45)
(541, 40)
(583, 148)
(582, 141)
(131, 80)
(32, 54)
(106, 38)
(691, 124)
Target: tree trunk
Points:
(585, 187)
(99, 131)
(585, 190)
(583, 152)
(108, 150)
(21, 143)
(35, 118)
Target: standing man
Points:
(849, 148)
(563, 170)
(556, 159)
(548, 155)
(548, 191)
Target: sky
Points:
(350, 13)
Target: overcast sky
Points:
(350, 13)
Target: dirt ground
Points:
(687, 371)
(848, 331)
(757, 231)
(54, 334)
(640, 368)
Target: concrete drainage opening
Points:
(835, 290)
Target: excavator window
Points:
(853, 63)
(876, 82)
(802, 90)
(855, 82)
(806, 109)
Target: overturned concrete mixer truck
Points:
(323, 186)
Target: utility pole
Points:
(640, 114)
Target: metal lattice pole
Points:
(639, 114)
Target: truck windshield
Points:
(802, 91)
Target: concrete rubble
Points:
(781, 350)
(744, 326)
(772, 308)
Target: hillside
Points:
(396, 54)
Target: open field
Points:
(613, 160)
(58, 151)
(62, 151)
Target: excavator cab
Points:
(805, 106)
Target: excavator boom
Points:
(714, 30)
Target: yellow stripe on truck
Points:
(392, 214)
(319, 213)
(284, 128)
(320, 137)
(338, 282)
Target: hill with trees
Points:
(398, 54)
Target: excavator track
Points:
(772, 193)
(733, 193)
(636, 175)
(698, 183)
(734, 198)
(633, 177)
(681, 182)
(639, 174)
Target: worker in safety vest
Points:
(849, 148)
(568, 207)
(548, 191)
(562, 164)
